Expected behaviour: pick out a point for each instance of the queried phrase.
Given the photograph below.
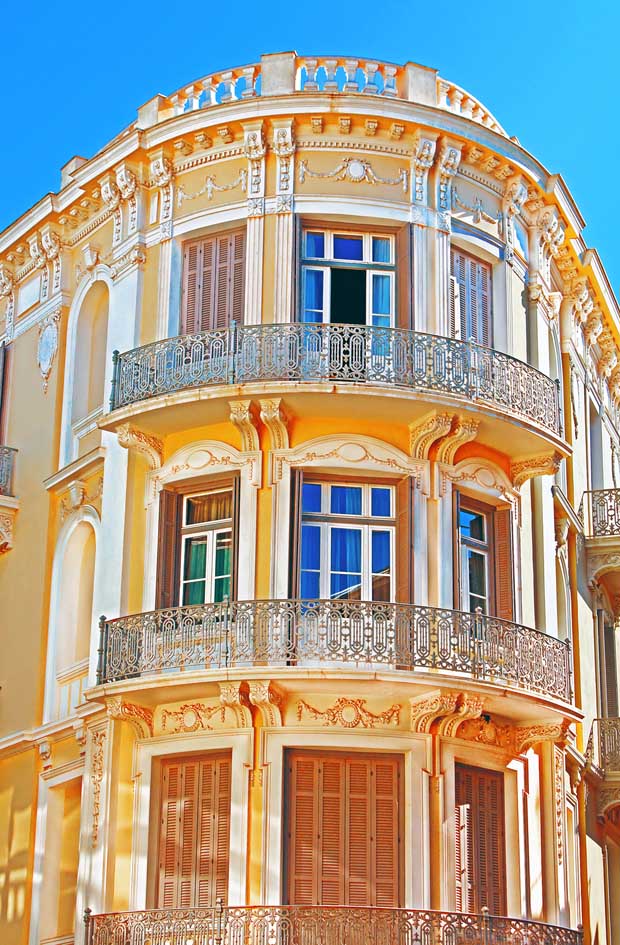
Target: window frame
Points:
(486, 548)
(455, 303)
(211, 531)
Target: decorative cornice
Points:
(276, 420)
(145, 444)
(349, 713)
(242, 415)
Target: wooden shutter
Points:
(470, 298)
(404, 278)
(404, 540)
(343, 830)
(206, 319)
(190, 303)
(294, 554)
(611, 672)
(213, 282)
(194, 832)
(458, 316)
(168, 549)
(237, 277)
(480, 854)
(502, 534)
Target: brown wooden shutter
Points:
(471, 292)
(303, 816)
(359, 829)
(194, 832)
(213, 282)
(237, 276)
(480, 798)
(168, 549)
(206, 319)
(404, 540)
(458, 272)
(404, 278)
(386, 832)
(502, 535)
(332, 826)
(611, 672)
(191, 298)
(294, 555)
(463, 852)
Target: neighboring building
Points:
(347, 501)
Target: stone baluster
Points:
(248, 74)
(310, 83)
(330, 66)
(371, 87)
(443, 90)
(193, 96)
(178, 100)
(350, 68)
(209, 90)
(456, 100)
(227, 80)
(467, 107)
(389, 81)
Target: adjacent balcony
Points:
(603, 757)
(335, 634)
(318, 925)
(600, 516)
(402, 369)
(7, 469)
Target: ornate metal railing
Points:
(7, 466)
(603, 749)
(318, 925)
(410, 360)
(600, 512)
(318, 632)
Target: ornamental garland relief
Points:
(349, 713)
(356, 171)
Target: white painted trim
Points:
(241, 744)
(368, 208)
(206, 457)
(415, 838)
(345, 452)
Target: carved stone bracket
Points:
(447, 166)
(514, 739)
(427, 708)
(276, 420)
(235, 697)
(524, 469)
(134, 258)
(145, 444)
(426, 431)
(242, 415)
(267, 698)
(462, 431)
(140, 717)
(349, 713)
(607, 799)
(284, 148)
(7, 528)
(423, 157)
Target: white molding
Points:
(241, 744)
(206, 457)
(85, 464)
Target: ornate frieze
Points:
(210, 186)
(349, 713)
(356, 171)
(98, 740)
(190, 717)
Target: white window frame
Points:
(484, 550)
(210, 531)
(367, 528)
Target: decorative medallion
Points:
(350, 713)
(48, 345)
(191, 716)
(355, 170)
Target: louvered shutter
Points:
(456, 549)
(459, 276)
(222, 290)
(404, 278)
(611, 672)
(303, 833)
(504, 597)
(331, 839)
(187, 834)
(168, 549)
(213, 841)
(483, 292)
(385, 833)
(454, 309)
(191, 296)
(207, 285)
(481, 849)
(404, 540)
(463, 855)
(470, 298)
(359, 832)
(237, 276)
(169, 840)
(294, 554)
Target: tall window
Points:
(483, 565)
(470, 298)
(347, 278)
(347, 541)
(197, 546)
(480, 840)
(213, 282)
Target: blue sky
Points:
(74, 75)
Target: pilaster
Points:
(284, 254)
(254, 147)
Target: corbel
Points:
(276, 420)
(424, 146)
(427, 708)
(447, 165)
(233, 696)
(139, 717)
(182, 147)
(225, 134)
(426, 431)
(243, 416)
(371, 126)
(467, 707)
(524, 469)
(148, 446)
(267, 698)
(45, 754)
(396, 130)
(344, 125)
(462, 431)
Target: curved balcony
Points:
(601, 508)
(333, 633)
(317, 925)
(312, 357)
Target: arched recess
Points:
(86, 365)
(73, 615)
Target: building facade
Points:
(310, 529)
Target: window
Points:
(470, 298)
(194, 833)
(479, 840)
(347, 278)
(213, 282)
(483, 562)
(343, 829)
(196, 562)
(347, 541)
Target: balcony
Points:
(318, 925)
(600, 516)
(603, 757)
(334, 634)
(402, 369)
(7, 466)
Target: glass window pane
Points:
(194, 592)
(346, 586)
(311, 497)
(313, 295)
(315, 245)
(346, 550)
(380, 249)
(472, 525)
(310, 547)
(195, 558)
(380, 294)
(346, 500)
(310, 586)
(223, 549)
(212, 507)
(476, 570)
(381, 321)
(348, 247)
(380, 501)
(221, 589)
(380, 551)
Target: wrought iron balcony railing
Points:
(410, 360)
(318, 925)
(603, 750)
(600, 513)
(363, 634)
(7, 466)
